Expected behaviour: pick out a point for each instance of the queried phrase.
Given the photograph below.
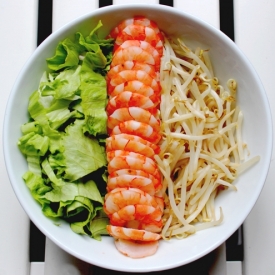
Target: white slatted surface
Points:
(256, 37)
(205, 10)
(17, 31)
(18, 36)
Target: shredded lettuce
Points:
(82, 155)
(64, 139)
(94, 99)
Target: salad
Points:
(64, 139)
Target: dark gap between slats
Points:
(166, 2)
(104, 3)
(44, 29)
(227, 17)
(234, 246)
(44, 20)
(37, 244)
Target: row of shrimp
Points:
(133, 202)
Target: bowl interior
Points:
(228, 62)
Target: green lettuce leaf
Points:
(98, 225)
(66, 55)
(68, 191)
(37, 186)
(32, 126)
(34, 164)
(94, 99)
(82, 154)
(65, 85)
(60, 116)
(36, 108)
(95, 38)
(33, 144)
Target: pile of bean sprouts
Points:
(202, 150)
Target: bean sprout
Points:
(202, 150)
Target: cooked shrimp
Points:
(136, 249)
(123, 153)
(131, 162)
(127, 143)
(127, 162)
(130, 75)
(140, 129)
(133, 54)
(138, 87)
(132, 234)
(132, 65)
(135, 138)
(156, 181)
(142, 33)
(140, 182)
(146, 214)
(159, 199)
(132, 113)
(136, 20)
(130, 99)
(150, 225)
(121, 197)
(153, 226)
(141, 44)
(142, 20)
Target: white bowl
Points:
(229, 62)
